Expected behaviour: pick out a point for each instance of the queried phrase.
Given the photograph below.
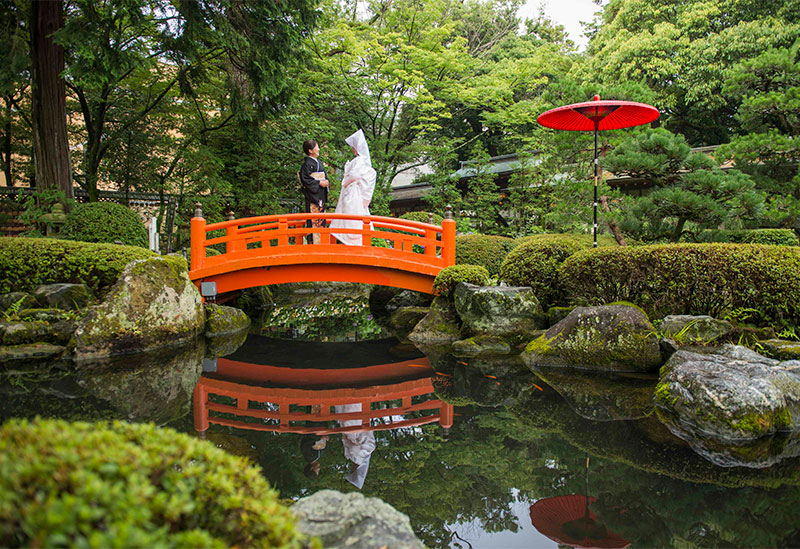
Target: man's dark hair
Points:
(308, 144)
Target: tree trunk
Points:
(612, 225)
(50, 144)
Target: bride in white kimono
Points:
(358, 184)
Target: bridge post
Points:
(200, 407)
(231, 232)
(366, 237)
(198, 238)
(448, 238)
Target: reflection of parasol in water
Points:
(569, 521)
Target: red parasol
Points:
(598, 115)
(568, 521)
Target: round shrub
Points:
(26, 263)
(708, 279)
(481, 249)
(448, 277)
(124, 485)
(105, 222)
(423, 217)
(583, 240)
(535, 260)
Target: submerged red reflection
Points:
(303, 400)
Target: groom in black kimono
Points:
(315, 186)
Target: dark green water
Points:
(515, 440)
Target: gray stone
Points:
(403, 320)
(224, 320)
(498, 310)
(694, 329)
(408, 298)
(354, 521)
(441, 326)
(152, 305)
(483, 345)
(557, 314)
(17, 300)
(735, 396)
(50, 315)
(782, 349)
(18, 333)
(63, 296)
(605, 338)
(32, 351)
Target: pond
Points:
(482, 454)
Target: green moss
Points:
(663, 395)
(121, 484)
(539, 346)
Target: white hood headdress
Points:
(359, 142)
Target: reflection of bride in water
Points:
(358, 184)
(358, 447)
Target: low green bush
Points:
(448, 277)
(775, 237)
(711, 279)
(26, 263)
(535, 259)
(125, 485)
(423, 217)
(483, 249)
(105, 222)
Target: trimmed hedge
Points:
(711, 279)
(775, 237)
(125, 485)
(26, 263)
(583, 240)
(105, 222)
(446, 280)
(535, 259)
(482, 249)
(423, 217)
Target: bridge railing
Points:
(287, 234)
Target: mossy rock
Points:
(224, 320)
(131, 485)
(781, 349)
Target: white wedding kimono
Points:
(358, 447)
(358, 184)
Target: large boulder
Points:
(604, 338)
(782, 349)
(735, 406)
(153, 304)
(353, 521)
(498, 310)
(440, 326)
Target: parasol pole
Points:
(596, 169)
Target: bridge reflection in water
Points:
(312, 400)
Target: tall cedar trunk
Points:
(7, 148)
(50, 145)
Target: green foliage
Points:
(486, 250)
(535, 259)
(26, 263)
(690, 194)
(121, 484)
(105, 222)
(334, 319)
(423, 217)
(708, 279)
(448, 277)
(775, 237)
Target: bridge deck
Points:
(273, 250)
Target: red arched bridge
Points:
(274, 249)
